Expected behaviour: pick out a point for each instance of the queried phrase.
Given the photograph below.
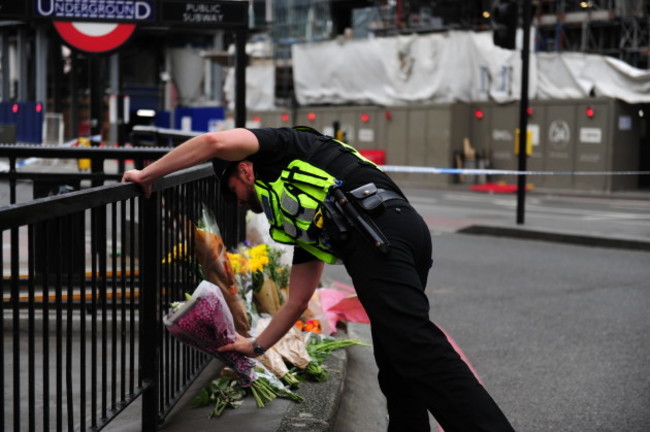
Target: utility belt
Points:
(354, 210)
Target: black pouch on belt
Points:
(357, 212)
(371, 199)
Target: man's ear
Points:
(245, 169)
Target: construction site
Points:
(415, 82)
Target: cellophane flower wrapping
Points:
(211, 254)
(205, 322)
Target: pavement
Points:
(318, 413)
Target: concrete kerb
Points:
(556, 236)
(318, 411)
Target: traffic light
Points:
(504, 20)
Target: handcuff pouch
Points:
(366, 198)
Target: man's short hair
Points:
(223, 174)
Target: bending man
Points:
(334, 205)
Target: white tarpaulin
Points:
(576, 75)
(260, 87)
(442, 67)
(452, 66)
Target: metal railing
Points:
(149, 143)
(97, 155)
(87, 277)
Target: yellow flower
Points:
(260, 252)
(256, 264)
(249, 260)
(259, 258)
(237, 262)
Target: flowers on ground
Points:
(241, 290)
(249, 259)
(205, 322)
(260, 266)
(312, 325)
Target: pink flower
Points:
(205, 322)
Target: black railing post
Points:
(12, 180)
(15, 295)
(149, 292)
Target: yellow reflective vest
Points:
(292, 204)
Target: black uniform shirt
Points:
(281, 146)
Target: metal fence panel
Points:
(86, 279)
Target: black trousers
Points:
(419, 370)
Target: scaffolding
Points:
(292, 22)
(616, 28)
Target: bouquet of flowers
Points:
(267, 276)
(211, 254)
(204, 321)
(292, 350)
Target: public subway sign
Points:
(204, 13)
(177, 13)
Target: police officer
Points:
(323, 196)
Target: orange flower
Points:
(299, 324)
(312, 326)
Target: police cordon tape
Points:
(432, 170)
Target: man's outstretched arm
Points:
(231, 145)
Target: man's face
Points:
(242, 184)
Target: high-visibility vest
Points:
(292, 204)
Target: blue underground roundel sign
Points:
(94, 37)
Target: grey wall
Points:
(564, 138)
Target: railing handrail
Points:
(16, 215)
